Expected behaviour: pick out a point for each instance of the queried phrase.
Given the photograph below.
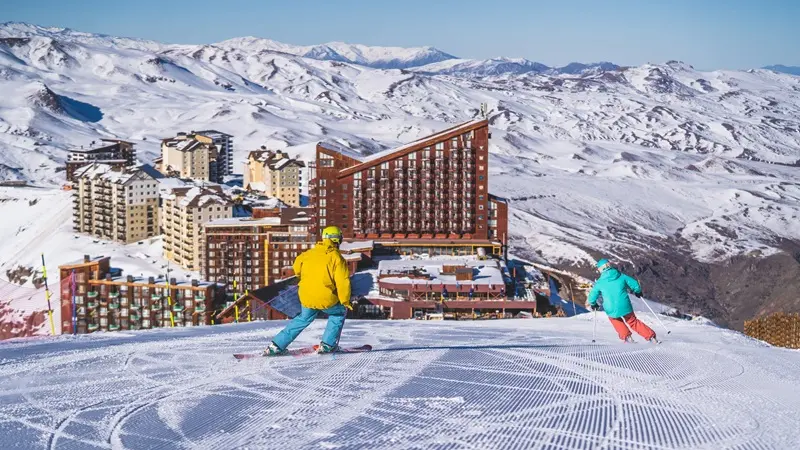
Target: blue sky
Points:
(708, 34)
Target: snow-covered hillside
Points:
(511, 384)
(596, 159)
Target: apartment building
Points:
(255, 252)
(184, 210)
(224, 144)
(96, 297)
(116, 203)
(112, 152)
(275, 174)
(428, 196)
(190, 156)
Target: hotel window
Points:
(440, 146)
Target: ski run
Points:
(510, 384)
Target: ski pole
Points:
(594, 326)
(654, 315)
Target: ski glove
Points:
(638, 294)
(595, 307)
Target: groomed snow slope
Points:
(517, 384)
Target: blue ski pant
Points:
(333, 330)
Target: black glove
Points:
(638, 294)
(595, 307)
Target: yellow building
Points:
(184, 211)
(191, 156)
(275, 174)
(116, 203)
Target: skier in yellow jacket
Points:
(324, 286)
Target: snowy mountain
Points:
(512, 66)
(791, 70)
(511, 384)
(676, 173)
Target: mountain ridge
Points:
(660, 164)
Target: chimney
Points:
(151, 280)
(108, 277)
(86, 258)
(172, 282)
(130, 278)
(195, 283)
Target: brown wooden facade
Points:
(433, 190)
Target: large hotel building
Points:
(429, 196)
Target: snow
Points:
(489, 272)
(244, 221)
(417, 142)
(520, 383)
(356, 245)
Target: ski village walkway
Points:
(506, 384)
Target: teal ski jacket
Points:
(614, 286)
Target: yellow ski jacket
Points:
(324, 277)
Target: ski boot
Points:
(325, 348)
(273, 350)
(653, 340)
(629, 340)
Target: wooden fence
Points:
(779, 329)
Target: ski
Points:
(303, 351)
(360, 349)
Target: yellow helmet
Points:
(332, 233)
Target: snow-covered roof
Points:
(488, 271)
(212, 133)
(257, 186)
(352, 257)
(114, 174)
(356, 245)
(340, 148)
(245, 221)
(457, 129)
(197, 196)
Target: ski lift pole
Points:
(655, 315)
(169, 298)
(47, 295)
(249, 310)
(235, 304)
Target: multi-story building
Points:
(255, 252)
(113, 152)
(184, 210)
(95, 298)
(190, 156)
(275, 174)
(429, 196)
(224, 144)
(115, 203)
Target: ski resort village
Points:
(257, 245)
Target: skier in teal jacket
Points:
(614, 287)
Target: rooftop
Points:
(356, 245)
(198, 196)
(486, 272)
(115, 174)
(458, 129)
(244, 221)
(343, 149)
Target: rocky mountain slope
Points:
(674, 172)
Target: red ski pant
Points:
(636, 325)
